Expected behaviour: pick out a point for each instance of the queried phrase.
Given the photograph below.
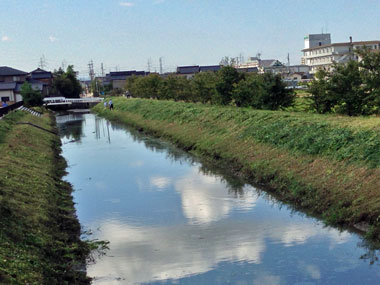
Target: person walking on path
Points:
(110, 104)
(105, 104)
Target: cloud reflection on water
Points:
(142, 253)
(148, 253)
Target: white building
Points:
(320, 53)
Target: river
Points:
(171, 220)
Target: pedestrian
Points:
(105, 104)
(110, 104)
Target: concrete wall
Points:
(7, 93)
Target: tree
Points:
(370, 72)
(175, 88)
(323, 100)
(227, 77)
(203, 86)
(66, 84)
(346, 87)
(248, 92)
(31, 97)
(276, 95)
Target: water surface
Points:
(172, 220)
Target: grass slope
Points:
(327, 164)
(39, 233)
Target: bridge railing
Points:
(52, 100)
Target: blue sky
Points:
(125, 34)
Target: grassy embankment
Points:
(329, 165)
(39, 233)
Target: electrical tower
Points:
(91, 70)
(102, 68)
(160, 65)
(149, 64)
(42, 64)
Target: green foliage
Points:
(203, 87)
(275, 95)
(249, 91)
(144, 87)
(352, 89)
(66, 84)
(265, 91)
(345, 86)
(30, 96)
(175, 88)
(227, 78)
(323, 101)
(225, 87)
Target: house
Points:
(10, 81)
(322, 54)
(38, 77)
(255, 64)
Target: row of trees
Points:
(225, 87)
(65, 84)
(352, 89)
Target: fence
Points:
(6, 110)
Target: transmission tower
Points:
(160, 65)
(102, 68)
(91, 70)
(149, 64)
(42, 64)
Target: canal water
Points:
(171, 220)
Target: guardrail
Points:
(6, 110)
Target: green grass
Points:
(39, 233)
(326, 164)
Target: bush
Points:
(30, 96)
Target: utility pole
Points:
(160, 65)
(42, 62)
(91, 70)
(149, 64)
(102, 68)
(63, 65)
(288, 60)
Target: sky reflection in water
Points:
(170, 222)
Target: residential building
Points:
(40, 76)
(323, 54)
(118, 78)
(10, 81)
(255, 64)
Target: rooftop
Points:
(360, 43)
(9, 71)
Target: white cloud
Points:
(5, 39)
(52, 39)
(160, 182)
(126, 4)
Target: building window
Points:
(4, 99)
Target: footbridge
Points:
(62, 103)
